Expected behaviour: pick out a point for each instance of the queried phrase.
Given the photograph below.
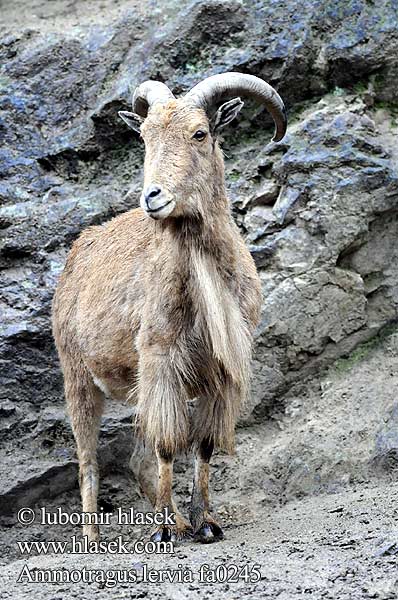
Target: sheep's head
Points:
(182, 157)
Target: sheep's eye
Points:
(199, 135)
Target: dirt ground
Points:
(307, 498)
(335, 546)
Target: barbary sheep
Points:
(158, 306)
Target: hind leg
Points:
(144, 466)
(85, 406)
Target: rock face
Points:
(324, 245)
(319, 210)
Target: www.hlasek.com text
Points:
(86, 546)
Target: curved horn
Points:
(147, 94)
(219, 88)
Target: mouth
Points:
(160, 212)
(158, 207)
(152, 211)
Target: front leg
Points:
(181, 530)
(162, 418)
(206, 528)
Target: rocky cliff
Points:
(319, 211)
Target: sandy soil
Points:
(336, 546)
(306, 498)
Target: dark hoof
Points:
(209, 533)
(165, 534)
(171, 534)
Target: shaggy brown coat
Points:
(161, 311)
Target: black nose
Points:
(150, 193)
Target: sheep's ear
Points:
(132, 120)
(225, 114)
